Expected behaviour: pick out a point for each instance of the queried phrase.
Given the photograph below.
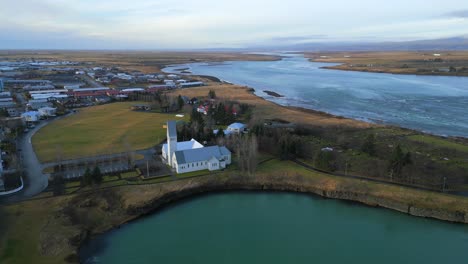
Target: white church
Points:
(190, 155)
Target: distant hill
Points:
(456, 43)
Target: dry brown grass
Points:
(145, 61)
(392, 61)
(267, 110)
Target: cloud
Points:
(210, 23)
(458, 14)
(300, 38)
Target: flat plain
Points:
(100, 130)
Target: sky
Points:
(198, 24)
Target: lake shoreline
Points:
(214, 184)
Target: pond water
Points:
(244, 227)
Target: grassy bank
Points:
(104, 129)
(51, 229)
(398, 62)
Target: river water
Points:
(433, 104)
(244, 227)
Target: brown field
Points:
(268, 110)
(145, 61)
(422, 63)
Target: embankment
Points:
(301, 184)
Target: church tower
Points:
(171, 140)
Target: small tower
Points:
(171, 140)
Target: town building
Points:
(189, 156)
(47, 111)
(31, 116)
(39, 103)
(191, 84)
(234, 128)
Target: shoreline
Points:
(380, 123)
(341, 68)
(211, 184)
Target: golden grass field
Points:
(104, 129)
(268, 110)
(397, 62)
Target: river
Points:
(246, 227)
(432, 104)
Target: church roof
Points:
(192, 144)
(200, 154)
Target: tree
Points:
(324, 160)
(369, 145)
(452, 69)
(398, 161)
(58, 185)
(87, 177)
(246, 148)
(97, 175)
(220, 133)
(180, 102)
(212, 94)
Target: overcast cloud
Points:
(185, 24)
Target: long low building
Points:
(38, 87)
(7, 104)
(49, 91)
(48, 96)
(191, 84)
(90, 89)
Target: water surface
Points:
(434, 104)
(279, 228)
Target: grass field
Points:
(99, 130)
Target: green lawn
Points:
(98, 130)
(439, 142)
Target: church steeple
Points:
(171, 140)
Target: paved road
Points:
(34, 180)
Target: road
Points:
(34, 180)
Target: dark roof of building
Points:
(200, 154)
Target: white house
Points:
(31, 116)
(47, 111)
(234, 128)
(190, 155)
